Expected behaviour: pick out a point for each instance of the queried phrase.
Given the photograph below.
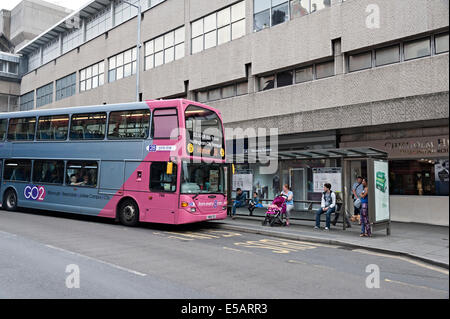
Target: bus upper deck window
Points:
(165, 124)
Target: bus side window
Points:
(165, 124)
(82, 173)
(17, 170)
(3, 123)
(160, 181)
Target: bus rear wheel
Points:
(129, 213)
(10, 200)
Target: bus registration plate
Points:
(211, 217)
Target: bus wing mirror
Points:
(169, 168)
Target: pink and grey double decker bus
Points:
(153, 161)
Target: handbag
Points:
(357, 203)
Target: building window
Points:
(50, 51)
(165, 49)
(71, 39)
(44, 95)
(300, 8)
(387, 55)
(122, 65)
(360, 61)
(34, 60)
(21, 129)
(124, 11)
(219, 27)
(90, 126)
(280, 12)
(266, 82)
(98, 24)
(65, 87)
(49, 172)
(53, 127)
(419, 177)
(304, 74)
(17, 170)
(92, 76)
(284, 78)
(9, 67)
(129, 124)
(324, 70)
(82, 173)
(27, 101)
(417, 49)
(165, 124)
(225, 92)
(441, 43)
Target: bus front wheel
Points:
(129, 213)
(10, 200)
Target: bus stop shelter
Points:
(377, 174)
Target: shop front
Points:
(418, 176)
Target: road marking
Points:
(203, 234)
(411, 285)
(98, 260)
(238, 250)
(277, 246)
(417, 263)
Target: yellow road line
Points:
(411, 285)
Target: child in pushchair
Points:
(276, 212)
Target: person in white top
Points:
(327, 206)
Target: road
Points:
(194, 261)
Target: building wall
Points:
(32, 17)
(420, 209)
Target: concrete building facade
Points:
(23, 23)
(325, 73)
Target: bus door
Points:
(163, 197)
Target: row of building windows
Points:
(269, 13)
(165, 48)
(65, 87)
(8, 102)
(219, 27)
(300, 75)
(9, 67)
(92, 76)
(78, 173)
(121, 125)
(224, 92)
(95, 25)
(405, 51)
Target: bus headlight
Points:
(184, 204)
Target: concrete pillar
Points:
(339, 60)
(111, 12)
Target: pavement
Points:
(419, 241)
(40, 250)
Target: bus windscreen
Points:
(204, 133)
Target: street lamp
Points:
(138, 44)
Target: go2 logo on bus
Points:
(34, 192)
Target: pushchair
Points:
(276, 212)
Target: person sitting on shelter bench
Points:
(327, 206)
(241, 199)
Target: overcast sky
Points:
(71, 4)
